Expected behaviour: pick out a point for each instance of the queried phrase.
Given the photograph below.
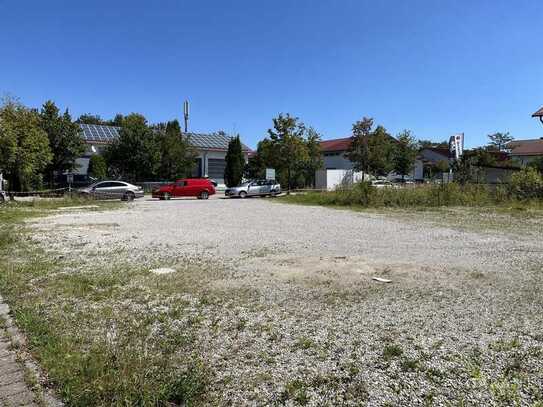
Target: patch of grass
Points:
(295, 390)
(99, 339)
(505, 392)
(392, 351)
(503, 345)
(304, 343)
(410, 364)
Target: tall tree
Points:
(88, 118)
(235, 163)
(314, 156)
(64, 137)
(135, 155)
(358, 152)
(255, 167)
(24, 146)
(177, 156)
(380, 152)
(405, 153)
(371, 151)
(288, 145)
(499, 141)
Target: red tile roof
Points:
(526, 147)
(539, 113)
(339, 144)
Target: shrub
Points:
(527, 184)
(97, 167)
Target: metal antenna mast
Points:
(186, 114)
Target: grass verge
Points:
(101, 339)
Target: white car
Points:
(381, 183)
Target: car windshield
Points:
(244, 184)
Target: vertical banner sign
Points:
(456, 146)
(270, 174)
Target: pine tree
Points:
(235, 163)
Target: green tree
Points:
(381, 152)
(235, 163)
(255, 167)
(314, 156)
(177, 156)
(97, 167)
(358, 152)
(405, 153)
(24, 146)
(433, 144)
(287, 145)
(65, 140)
(88, 118)
(371, 151)
(135, 155)
(537, 163)
(499, 141)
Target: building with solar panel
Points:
(210, 148)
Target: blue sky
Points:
(435, 67)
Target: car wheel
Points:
(128, 196)
(242, 194)
(204, 195)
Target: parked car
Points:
(199, 187)
(112, 190)
(381, 183)
(254, 188)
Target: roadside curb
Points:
(17, 368)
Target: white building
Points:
(210, 148)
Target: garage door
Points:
(216, 168)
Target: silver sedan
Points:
(254, 188)
(113, 190)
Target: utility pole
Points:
(186, 115)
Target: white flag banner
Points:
(456, 145)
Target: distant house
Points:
(333, 154)
(525, 151)
(210, 148)
(428, 158)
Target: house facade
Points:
(210, 149)
(525, 151)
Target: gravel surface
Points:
(295, 317)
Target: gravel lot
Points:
(289, 314)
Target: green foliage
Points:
(292, 149)
(24, 146)
(364, 195)
(65, 139)
(527, 184)
(498, 141)
(433, 144)
(371, 151)
(405, 153)
(537, 164)
(97, 167)
(177, 156)
(88, 118)
(255, 167)
(235, 163)
(135, 155)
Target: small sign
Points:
(270, 174)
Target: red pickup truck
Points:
(199, 187)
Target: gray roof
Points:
(106, 134)
(213, 141)
(101, 134)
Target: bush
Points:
(97, 167)
(365, 195)
(527, 184)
